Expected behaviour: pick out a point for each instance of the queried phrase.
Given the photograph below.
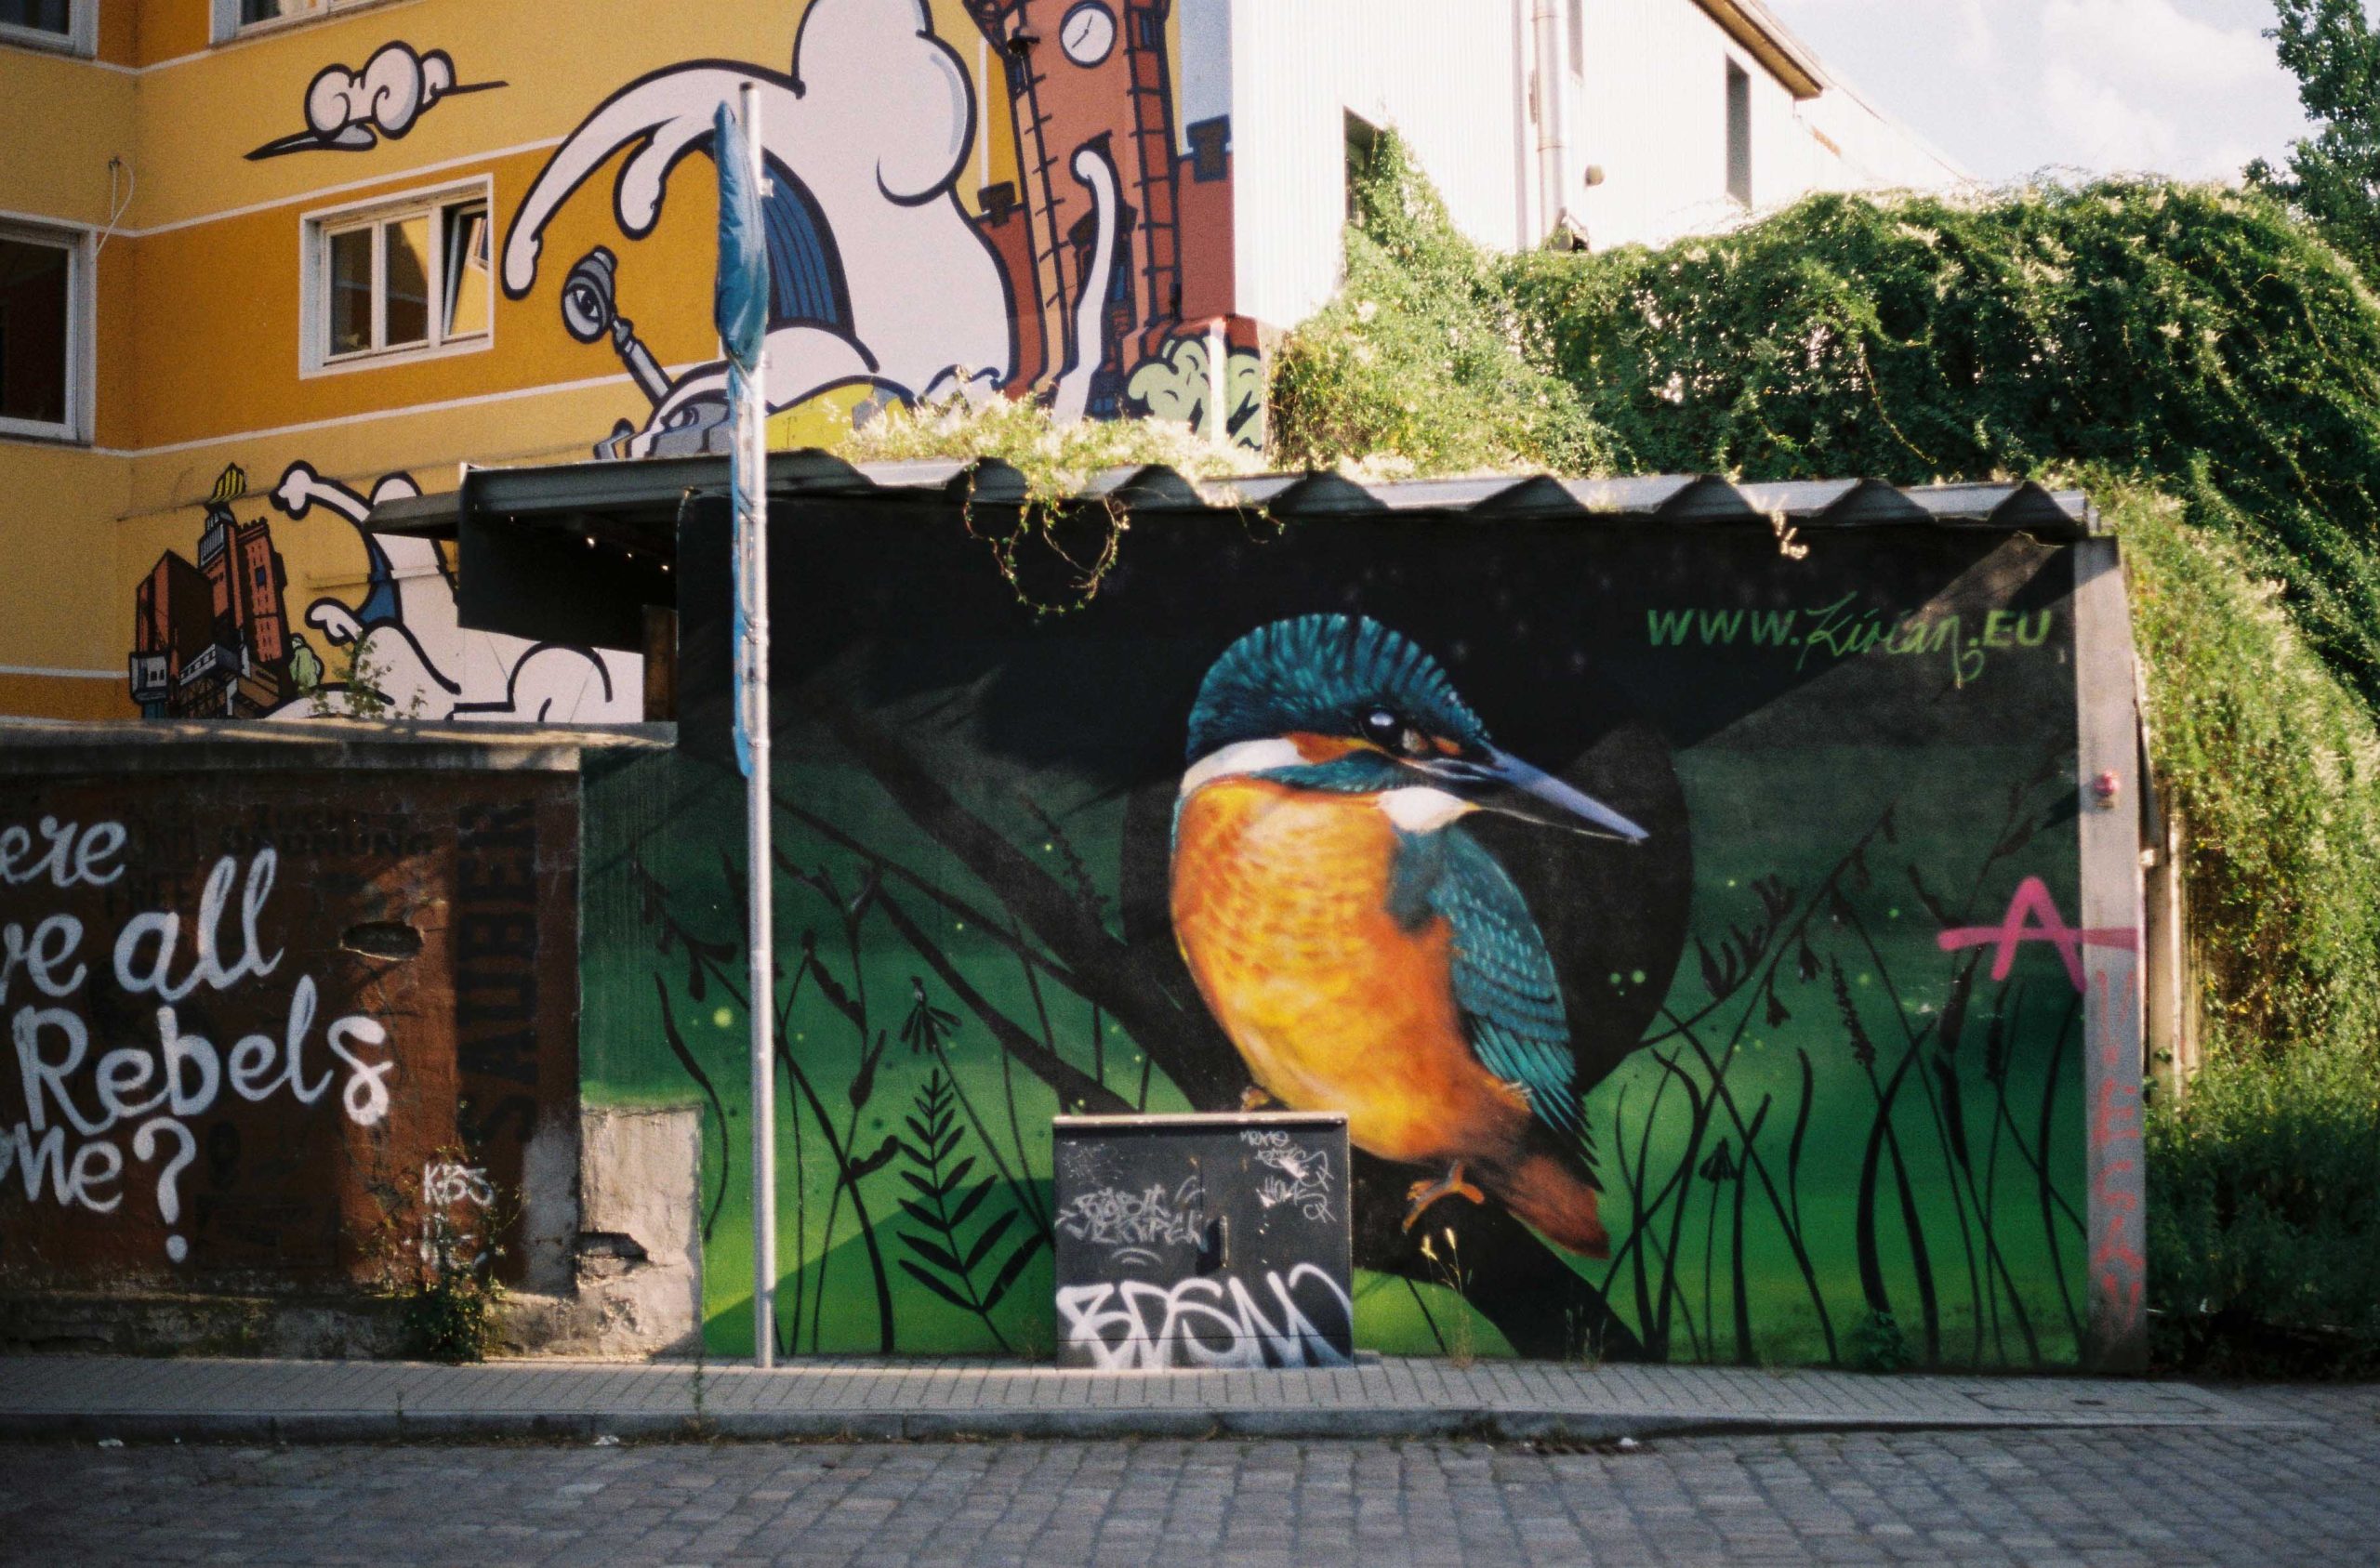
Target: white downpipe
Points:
(1551, 109)
(752, 540)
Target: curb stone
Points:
(954, 1426)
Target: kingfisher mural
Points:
(1682, 924)
(891, 280)
(1365, 953)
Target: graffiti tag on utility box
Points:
(1203, 1242)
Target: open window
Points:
(68, 25)
(396, 280)
(44, 332)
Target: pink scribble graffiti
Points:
(2118, 1260)
(2033, 916)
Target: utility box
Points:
(1216, 1241)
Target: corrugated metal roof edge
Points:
(566, 496)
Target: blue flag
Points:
(740, 307)
(740, 304)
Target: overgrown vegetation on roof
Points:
(1054, 554)
(1057, 459)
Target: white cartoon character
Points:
(877, 276)
(411, 655)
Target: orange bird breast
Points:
(1281, 905)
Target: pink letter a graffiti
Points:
(2033, 916)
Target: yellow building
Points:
(305, 262)
(264, 263)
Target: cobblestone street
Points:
(2163, 1496)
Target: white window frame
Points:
(315, 229)
(81, 37)
(81, 260)
(228, 25)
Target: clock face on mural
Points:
(1088, 33)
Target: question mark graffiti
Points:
(169, 1197)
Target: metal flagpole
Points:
(752, 546)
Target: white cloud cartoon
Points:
(350, 111)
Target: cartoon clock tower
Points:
(1090, 76)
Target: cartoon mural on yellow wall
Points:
(352, 110)
(971, 198)
(1066, 284)
(213, 639)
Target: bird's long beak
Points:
(1511, 787)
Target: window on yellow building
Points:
(398, 281)
(41, 333)
(54, 24)
(233, 16)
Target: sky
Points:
(2188, 89)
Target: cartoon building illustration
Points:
(212, 640)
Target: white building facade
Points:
(1649, 119)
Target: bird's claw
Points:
(1423, 1193)
(1254, 1098)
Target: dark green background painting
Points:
(1827, 1043)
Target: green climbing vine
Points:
(1052, 547)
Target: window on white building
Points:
(50, 24)
(1578, 38)
(1739, 134)
(1363, 146)
(41, 333)
(399, 281)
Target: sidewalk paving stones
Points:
(867, 1398)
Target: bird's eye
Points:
(1385, 730)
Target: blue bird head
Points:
(1344, 703)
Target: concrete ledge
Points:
(197, 745)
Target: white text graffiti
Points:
(1134, 1222)
(1304, 1179)
(1137, 1326)
(79, 1094)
